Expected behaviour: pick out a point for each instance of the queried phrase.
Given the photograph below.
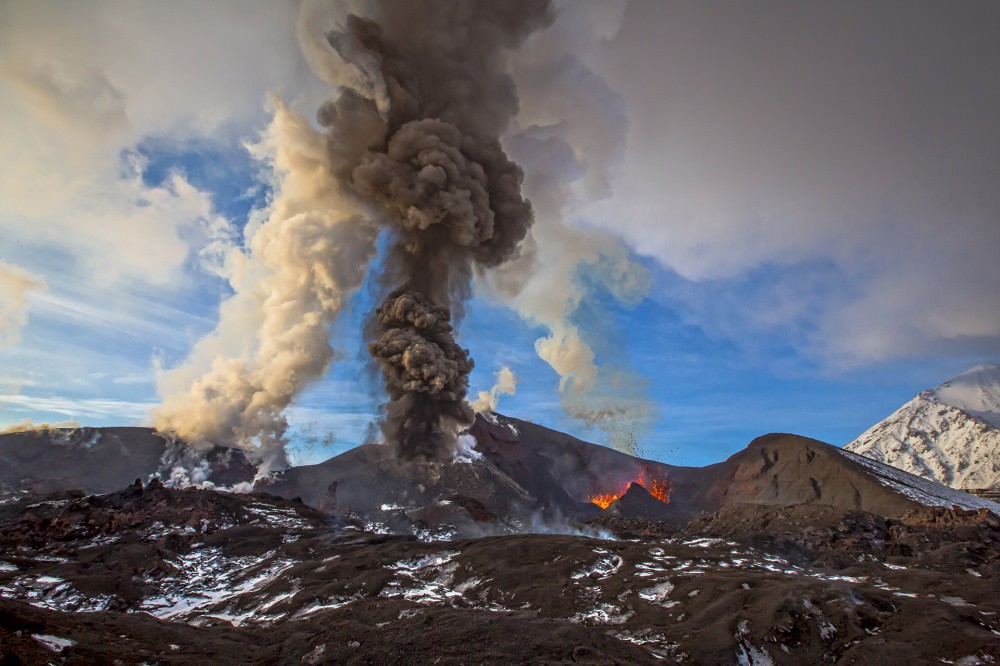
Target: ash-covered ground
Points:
(788, 553)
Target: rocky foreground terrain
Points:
(543, 550)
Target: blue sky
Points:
(714, 392)
(817, 214)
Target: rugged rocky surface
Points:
(950, 434)
(539, 548)
(99, 460)
(159, 575)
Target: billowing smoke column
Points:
(426, 374)
(443, 188)
(290, 283)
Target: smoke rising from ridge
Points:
(415, 146)
(568, 136)
(301, 264)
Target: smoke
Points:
(426, 374)
(301, 262)
(488, 401)
(431, 82)
(414, 148)
(568, 136)
(27, 425)
(16, 285)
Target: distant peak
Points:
(975, 391)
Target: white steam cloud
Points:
(570, 133)
(488, 401)
(300, 265)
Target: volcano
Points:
(540, 548)
(525, 472)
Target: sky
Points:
(767, 217)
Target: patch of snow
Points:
(603, 614)
(332, 603)
(658, 593)
(748, 654)
(209, 580)
(920, 490)
(975, 392)
(827, 631)
(604, 566)
(432, 560)
(272, 516)
(54, 643)
(52, 593)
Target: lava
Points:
(655, 485)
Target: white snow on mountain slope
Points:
(923, 491)
(976, 392)
(948, 434)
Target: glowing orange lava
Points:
(657, 486)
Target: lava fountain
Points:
(656, 484)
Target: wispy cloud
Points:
(86, 410)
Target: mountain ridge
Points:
(946, 434)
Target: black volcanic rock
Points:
(160, 575)
(527, 472)
(638, 503)
(774, 470)
(368, 482)
(99, 460)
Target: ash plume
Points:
(442, 187)
(426, 374)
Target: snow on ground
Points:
(922, 491)
(209, 579)
(52, 593)
(54, 643)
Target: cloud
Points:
(775, 139)
(569, 136)
(84, 408)
(81, 87)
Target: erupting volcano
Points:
(656, 485)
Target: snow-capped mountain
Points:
(950, 434)
(976, 392)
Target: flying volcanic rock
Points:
(443, 189)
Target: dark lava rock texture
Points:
(790, 552)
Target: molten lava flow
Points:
(656, 485)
